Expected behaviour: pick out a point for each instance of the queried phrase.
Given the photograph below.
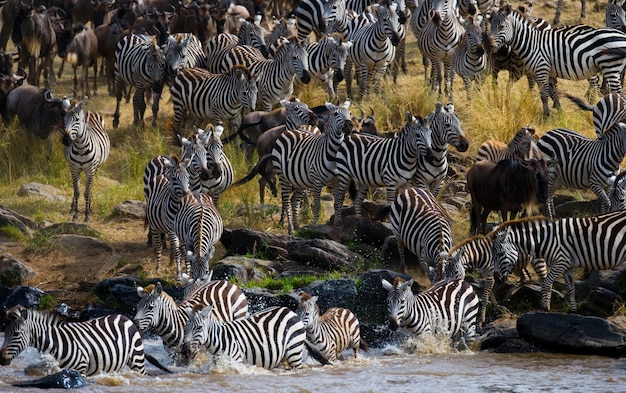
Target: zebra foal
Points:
(86, 147)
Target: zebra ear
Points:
(438, 107)
(284, 103)
(16, 312)
(219, 130)
(314, 299)
(189, 312)
(141, 292)
(406, 285)
(408, 116)
(386, 284)
(347, 44)
(205, 313)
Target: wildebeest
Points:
(38, 111)
(83, 51)
(507, 186)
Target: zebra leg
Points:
(605, 202)
(544, 92)
(139, 106)
(362, 75)
(175, 245)
(571, 290)
(119, 85)
(76, 185)
(317, 193)
(158, 247)
(348, 77)
(285, 193)
(339, 193)
(156, 99)
(358, 199)
(556, 270)
(400, 245)
(557, 15)
(487, 293)
(88, 182)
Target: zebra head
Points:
(252, 34)
(178, 175)
(618, 193)
(195, 150)
(387, 19)
(296, 57)
(446, 128)
(155, 56)
(308, 310)
(200, 262)
(298, 114)
(17, 335)
(214, 149)
(338, 55)
(419, 136)
(74, 123)
(150, 307)
(339, 123)
(501, 27)
(198, 330)
(397, 298)
(246, 85)
(454, 267)
(474, 35)
(505, 254)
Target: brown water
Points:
(420, 366)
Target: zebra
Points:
(305, 161)
(379, 162)
(593, 243)
(311, 17)
(439, 35)
(399, 61)
(446, 129)
(420, 223)
(198, 226)
(327, 60)
(579, 162)
(251, 34)
(571, 52)
(472, 58)
(140, 63)
(609, 110)
(523, 146)
(618, 193)
(332, 332)
(372, 50)
(449, 307)
(263, 339)
(163, 194)
(159, 311)
(183, 50)
(104, 344)
(475, 253)
(213, 97)
(86, 147)
(615, 15)
(222, 170)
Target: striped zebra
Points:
(422, 225)
(251, 34)
(159, 311)
(609, 110)
(311, 17)
(419, 18)
(327, 60)
(213, 97)
(198, 226)
(436, 40)
(523, 146)
(446, 129)
(183, 50)
(139, 63)
(105, 344)
(379, 162)
(592, 243)
(86, 147)
(475, 253)
(571, 52)
(618, 193)
(222, 173)
(399, 61)
(263, 339)
(372, 50)
(579, 162)
(163, 195)
(615, 15)
(330, 333)
(471, 59)
(449, 307)
(305, 161)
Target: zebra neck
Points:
(173, 326)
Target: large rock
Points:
(14, 272)
(13, 219)
(572, 333)
(248, 242)
(45, 191)
(324, 254)
(131, 209)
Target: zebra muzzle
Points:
(393, 325)
(4, 360)
(306, 77)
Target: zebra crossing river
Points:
(416, 367)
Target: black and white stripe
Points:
(183, 50)
(523, 146)
(615, 15)
(327, 60)
(609, 110)
(221, 170)
(311, 17)
(470, 59)
(86, 147)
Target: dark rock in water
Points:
(66, 379)
(25, 296)
(259, 299)
(572, 333)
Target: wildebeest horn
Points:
(75, 92)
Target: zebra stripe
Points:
(609, 110)
(140, 63)
(332, 332)
(305, 161)
(327, 61)
(198, 226)
(422, 225)
(86, 147)
(252, 35)
(379, 162)
(446, 129)
(470, 59)
(183, 50)
(222, 171)
(448, 307)
(618, 193)
(264, 339)
(570, 52)
(615, 15)
(581, 163)
(213, 97)
(104, 344)
(159, 311)
(592, 243)
(311, 16)
(523, 146)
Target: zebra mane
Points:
(243, 69)
(198, 307)
(517, 222)
(304, 296)
(465, 242)
(398, 281)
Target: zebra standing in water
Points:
(592, 243)
(86, 147)
(471, 59)
(449, 307)
(159, 311)
(327, 60)
(305, 161)
(264, 339)
(421, 224)
(579, 162)
(379, 162)
(571, 52)
(139, 63)
(446, 129)
(332, 332)
(222, 171)
(105, 344)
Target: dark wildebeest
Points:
(37, 111)
(8, 80)
(83, 51)
(108, 35)
(38, 45)
(507, 186)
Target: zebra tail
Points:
(156, 363)
(316, 355)
(580, 103)
(261, 164)
(383, 212)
